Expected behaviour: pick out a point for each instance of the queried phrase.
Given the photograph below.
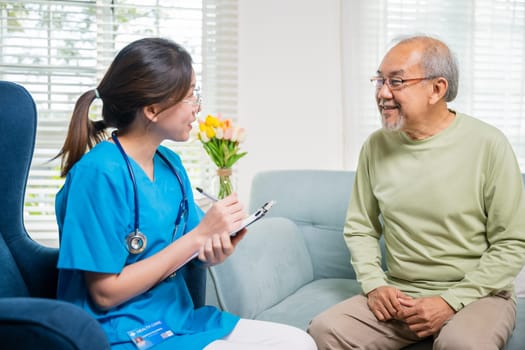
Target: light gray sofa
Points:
(294, 263)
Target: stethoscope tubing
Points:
(183, 206)
(132, 177)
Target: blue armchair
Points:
(30, 317)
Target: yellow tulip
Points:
(212, 121)
(210, 132)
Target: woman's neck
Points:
(141, 148)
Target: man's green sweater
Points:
(452, 208)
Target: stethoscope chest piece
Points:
(136, 242)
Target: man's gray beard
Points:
(397, 126)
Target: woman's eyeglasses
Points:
(196, 99)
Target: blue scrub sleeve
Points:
(95, 213)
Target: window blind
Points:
(60, 49)
(486, 35)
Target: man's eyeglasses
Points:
(394, 83)
(196, 99)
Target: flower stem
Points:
(225, 182)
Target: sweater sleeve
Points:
(504, 201)
(362, 229)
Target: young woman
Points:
(128, 221)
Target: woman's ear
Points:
(151, 112)
(439, 89)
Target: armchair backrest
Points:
(35, 263)
(18, 130)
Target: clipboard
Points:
(255, 216)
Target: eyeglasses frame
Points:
(402, 82)
(196, 99)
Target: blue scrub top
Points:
(95, 212)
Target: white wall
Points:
(290, 98)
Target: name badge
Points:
(150, 335)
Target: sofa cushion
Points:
(11, 282)
(327, 247)
(271, 245)
(300, 307)
(517, 340)
(316, 201)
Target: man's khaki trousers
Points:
(485, 324)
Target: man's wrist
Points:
(454, 303)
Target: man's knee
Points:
(456, 340)
(323, 330)
(483, 324)
(318, 327)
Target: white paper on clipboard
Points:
(256, 215)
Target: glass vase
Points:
(224, 184)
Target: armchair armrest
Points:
(195, 277)
(35, 323)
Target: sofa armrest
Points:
(269, 264)
(35, 323)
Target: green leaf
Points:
(223, 153)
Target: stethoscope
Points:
(136, 241)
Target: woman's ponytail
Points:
(82, 133)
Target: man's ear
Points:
(150, 112)
(439, 89)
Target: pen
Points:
(209, 196)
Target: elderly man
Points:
(450, 195)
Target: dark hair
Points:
(145, 72)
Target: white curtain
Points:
(488, 37)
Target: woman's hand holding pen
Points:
(223, 217)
